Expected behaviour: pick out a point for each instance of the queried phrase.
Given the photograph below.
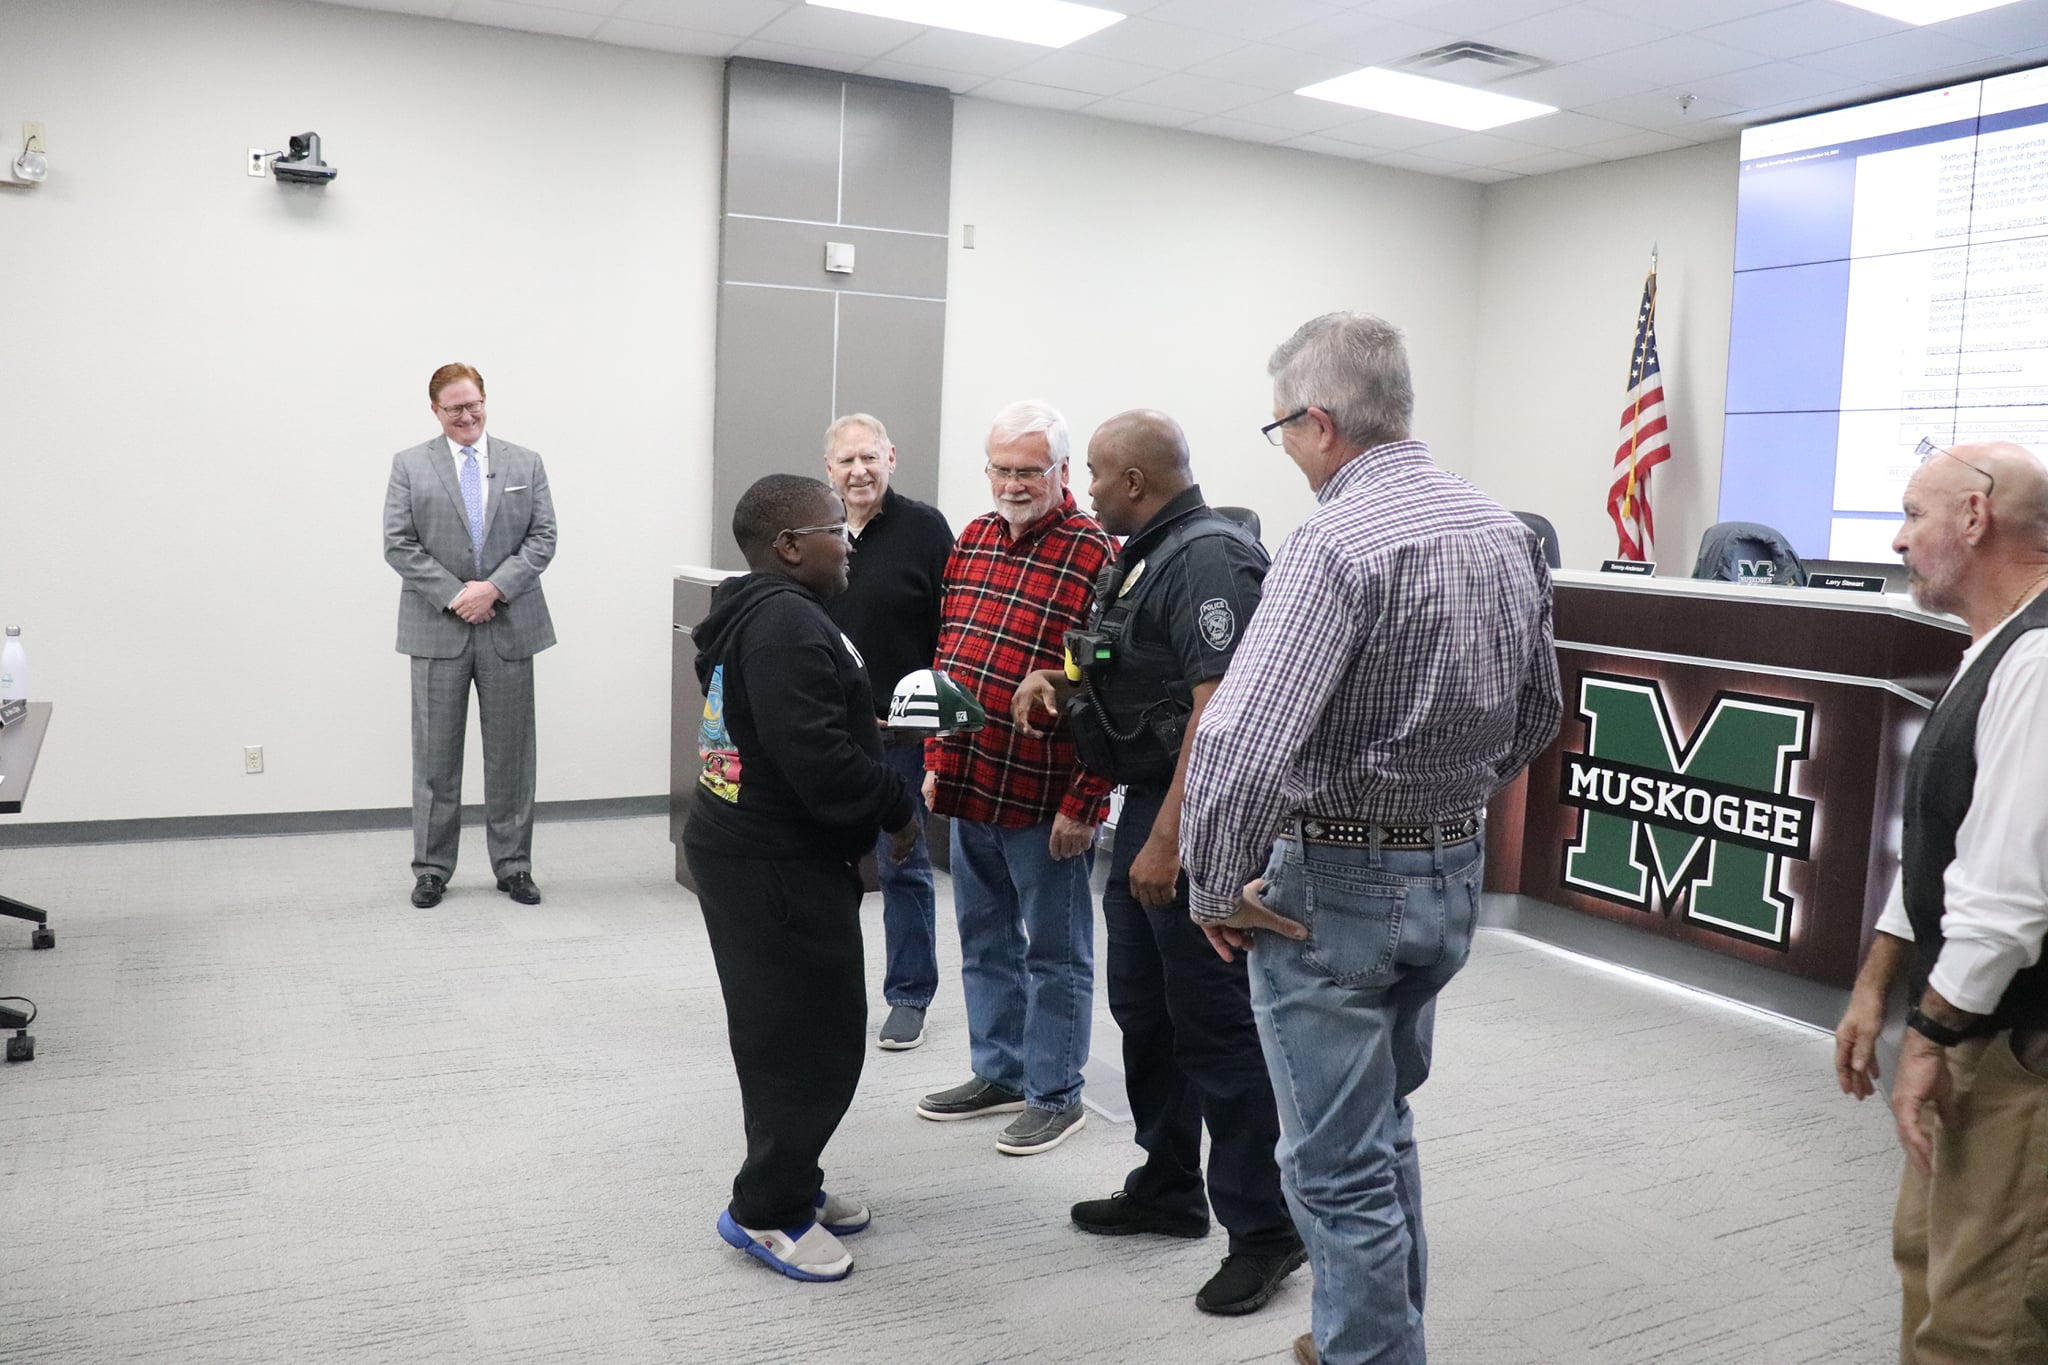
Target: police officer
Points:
(1168, 613)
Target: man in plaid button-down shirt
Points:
(1023, 812)
(1399, 670)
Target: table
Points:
(20, 743)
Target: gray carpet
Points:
(278, 1115)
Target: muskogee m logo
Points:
(1711, 817)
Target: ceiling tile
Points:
(1297, 113)
(1688, 15)
(1130, 111)
(1278, 69)
(1659, 109)
(1568, 87)
(662, 38)
(1568, 130)
(859, 35)
(1486, 175)
(1364, 39)
(1006, 91)
(1549, 163)
(1796, 30)
(742, 17)
(1196, 95)
(1238, 19)
(1477, 18)
(968, 52)
(1222, 125)
(1330, 146)
(910, 73)
(1166, 46)
(790, 54)
(2012, 29)
(1676, 62)
(1898, 56)
(1634, 144)
(1480, 149)
(1389, 133)
(1574, 33)
(430, 9)
(1771, 83)
(1413, 161)
(530, 18)
(1078, 71)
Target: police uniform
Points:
(1168, 615)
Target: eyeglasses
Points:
(473, 409)
(1003, 473)
(834, 528)
(1271, 431)
(1927, 450)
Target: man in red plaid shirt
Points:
(1023, 812)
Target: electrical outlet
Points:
(252, 758)
(259, 162)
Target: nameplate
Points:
(1641, 568)
(11, 711)
(1846, 582)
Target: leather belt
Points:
(1317, 829)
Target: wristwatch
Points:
(1941, 1035)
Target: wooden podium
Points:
(1729, 769)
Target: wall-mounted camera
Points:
(301, 163)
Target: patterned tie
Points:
(473, 500)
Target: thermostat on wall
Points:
(839, 257)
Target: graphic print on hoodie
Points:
(715, 747)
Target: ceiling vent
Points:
(1471, 63)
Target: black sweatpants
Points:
(785, 935)
(1191, 1055)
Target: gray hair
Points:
(1029, 415)
(856, 419)
(1352, 366)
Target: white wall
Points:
(1120, 266)
(1561, 268)
(205, 376)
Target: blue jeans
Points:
(1346, 1019)
(1027, 959)
(910, 927)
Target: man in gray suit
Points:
(469, 525)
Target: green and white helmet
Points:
(930, 700)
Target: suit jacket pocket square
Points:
(518, 488)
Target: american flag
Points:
(1645, 442)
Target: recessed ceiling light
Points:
(1925, 11)
(1048, 23)
(1418, 97)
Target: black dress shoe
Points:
(519, 886)
(1244, 1283)
(1120, 1215)
(426, 892)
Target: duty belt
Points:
(1317, 829)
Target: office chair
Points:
(1243, 516)
(1748, 552)
(1545, 533)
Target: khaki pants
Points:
(1971, 1241)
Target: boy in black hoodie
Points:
(793, 791)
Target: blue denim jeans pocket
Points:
(1370, 926)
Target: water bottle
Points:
(13, 668)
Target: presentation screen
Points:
(1891, 283)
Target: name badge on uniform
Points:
(1131, 578)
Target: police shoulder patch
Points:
(1218, 622)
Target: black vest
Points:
(1941, 779)
(1129, 718)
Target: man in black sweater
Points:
(890, 610)
(792, 792)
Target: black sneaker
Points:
(969, 1101)
(1245, 1283)
(902, 1030)
(1120, 1215)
